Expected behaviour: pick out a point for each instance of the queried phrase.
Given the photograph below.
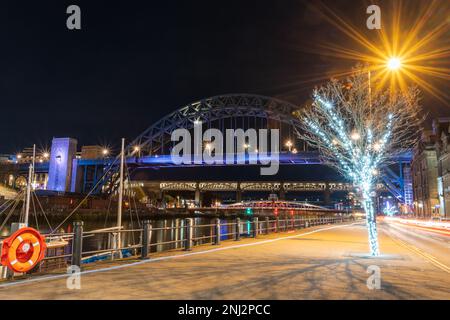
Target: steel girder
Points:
(212, 109)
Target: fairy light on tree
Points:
(358, 132)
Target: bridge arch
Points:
(274, 112)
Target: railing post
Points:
(77, 243)
(217, 232)
(255, 227)
(146, 238)
(267, 225)
(238, 229)
(277, 224)
(188, 234)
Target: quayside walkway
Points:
(323, 262)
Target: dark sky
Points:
(135, 61)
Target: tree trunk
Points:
(371, 222)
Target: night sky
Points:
(135, 61)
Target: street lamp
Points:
(137, 150)
(355, 136)
(289, 144)
(105, 152)
(394, 63)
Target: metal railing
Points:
(146, 239)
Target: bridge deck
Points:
(317, 263)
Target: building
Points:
(424, 170)
(60, 170)
(441, 129)
(92, 152)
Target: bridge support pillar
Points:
(198, 195)
(282, 192)
(238, 192)
(327, 195)
(146, 238)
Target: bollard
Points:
(217, 232)
(277, 225)
(146, 227)
(267, 225)
(77, 243)
(238, 229)
(188, 234)
(255, 227)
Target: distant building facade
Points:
(424, 170)
(92, 152)
(441, 129)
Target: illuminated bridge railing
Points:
(253, 186)
(276, 205)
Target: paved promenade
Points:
(326, 262)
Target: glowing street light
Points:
(377, 146)
(394, 63)
(289, 144)
(105, 152)
(355, 136)
(208, 147)
(46, 155)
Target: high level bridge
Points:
(151, 169)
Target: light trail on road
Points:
(431, 245)
(439, 227)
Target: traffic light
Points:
(249, 211)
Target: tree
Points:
(357, 132)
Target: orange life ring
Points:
(23, 250)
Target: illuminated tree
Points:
(358, 132)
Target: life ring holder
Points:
(23, 250)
